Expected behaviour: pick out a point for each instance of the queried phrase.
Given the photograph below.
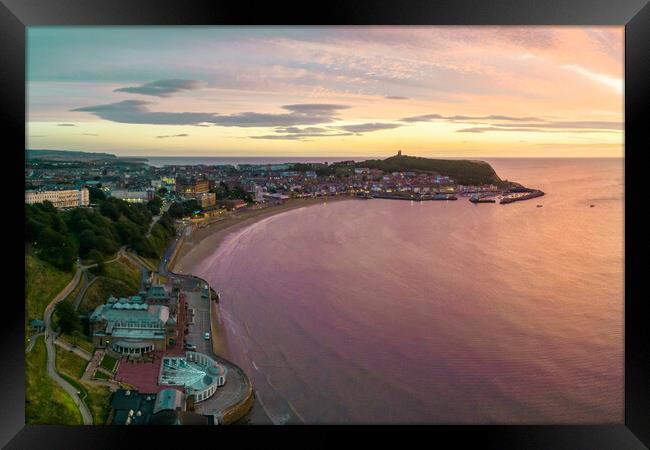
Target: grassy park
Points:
(45, 401)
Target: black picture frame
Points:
(16, 15)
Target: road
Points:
(237, 383)
(85, 284)
(155, 219)
(51, 351)
(32, 341)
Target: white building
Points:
(132, 196)
(69, 198)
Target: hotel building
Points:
(69, 198)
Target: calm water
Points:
(385, 311)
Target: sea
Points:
(439, 312)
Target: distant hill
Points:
(462, 171)
(53, 155)
(80, 156)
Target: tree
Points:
(109, 209)
(96, 195)
(67, 318)
(95, 256)
(57, 249)
(154, 205)
(162, 190)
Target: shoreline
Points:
(250, 410)
(204, 241)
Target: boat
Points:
(478, 199)
(440, 196)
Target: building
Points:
(132, 327)
(207, 199)
(167, 407)
(156, 294)
(191, 187)
(198, 374)
(132, 196)
(233, 203)
(277, 197)
(67, 198)
(255, 190)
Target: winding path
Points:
(51, 351)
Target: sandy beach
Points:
(205, 240)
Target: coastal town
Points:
(219, 187)
(143, 339)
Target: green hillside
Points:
(462, 171)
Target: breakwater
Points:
(524, 196)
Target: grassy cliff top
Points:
(462, 171)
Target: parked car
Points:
(206, 336)
(190, 346)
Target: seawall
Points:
(244, 403)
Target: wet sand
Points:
(204, 241)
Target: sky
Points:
(434, 91)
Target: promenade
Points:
(233, 400)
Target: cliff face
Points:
(461, 171)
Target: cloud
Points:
(138, 112)
(315, 108)
(65, 125)
(296, 130)
(368, 127)
(495, 122)
(430, 117)
(300, 137)
(611, 82)
(295, 133)
(423, 118)
(163, 88)
(396, 97)
(173, 135)
(527, 129)
(594, 125)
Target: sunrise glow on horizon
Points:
(441, 91)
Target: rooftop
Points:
(189, 372)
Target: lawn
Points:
(69, 363)
(80, 340)
(42, 282)
(45, 401)
(108, 363)
(71, 367)
(124, 271)
(154, 263)
(96, 398)
(73, 294)
(101, 375)
(98, 401)
(100, 290)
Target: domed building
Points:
(197, 373)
